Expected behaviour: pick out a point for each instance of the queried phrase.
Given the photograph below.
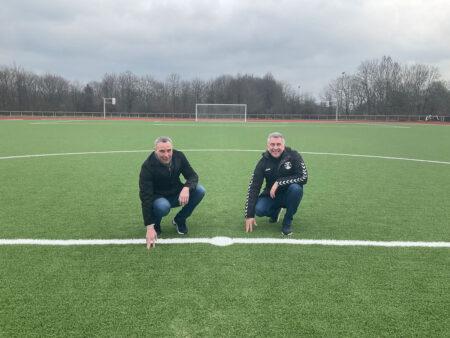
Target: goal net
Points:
(219, 111)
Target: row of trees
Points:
(378, 87)
(24, 90)
(387, 87)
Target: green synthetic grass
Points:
(199, 290)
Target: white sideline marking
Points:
(377, 124)
(220, 150)
(225, 241)
(62, 122)
(237, 123)
(70, 154)
(377, 156)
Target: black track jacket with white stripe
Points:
(289, 168)
(159, 180)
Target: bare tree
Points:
(383, 87)
(128, 84)
(173, 86)
(198, 88)
(437, 98)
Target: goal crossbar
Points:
(214, 115)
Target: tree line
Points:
(378, 87)
(25, 90)
(386, 87)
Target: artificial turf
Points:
(199, 290)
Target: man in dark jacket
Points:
(285, 174)
(160, 188)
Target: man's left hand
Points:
(184, 196)
(151, 236)
(274, 190)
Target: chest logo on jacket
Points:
(288, 165)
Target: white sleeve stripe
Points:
(248, 193)
(301, 179)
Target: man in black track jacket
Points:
(285, 174)
(160, 188)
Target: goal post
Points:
(221, 111)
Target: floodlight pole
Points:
(337, 109)
(111, 100)
(340, 99)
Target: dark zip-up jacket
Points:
(159, 180)
(289, 168)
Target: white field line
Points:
(63, 122)
(376, 156)
(283, 124)
(77, 153)
(220, 150)
(376, 124)
(225, 241)
(229, 123)
(238, 124)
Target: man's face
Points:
(275, 146)
(163, 152)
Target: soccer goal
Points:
(221, 111)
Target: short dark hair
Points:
(163, 139)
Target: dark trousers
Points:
(162, 205)
(289, 199)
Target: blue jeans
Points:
(162, 205)
(289, 199)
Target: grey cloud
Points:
(304, 43)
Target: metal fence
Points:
(252, 116)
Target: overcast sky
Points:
(305, 43)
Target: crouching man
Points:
(285, 174)
(160, 189)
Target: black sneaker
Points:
(181, 227)
(275, 218)
(286, 230)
